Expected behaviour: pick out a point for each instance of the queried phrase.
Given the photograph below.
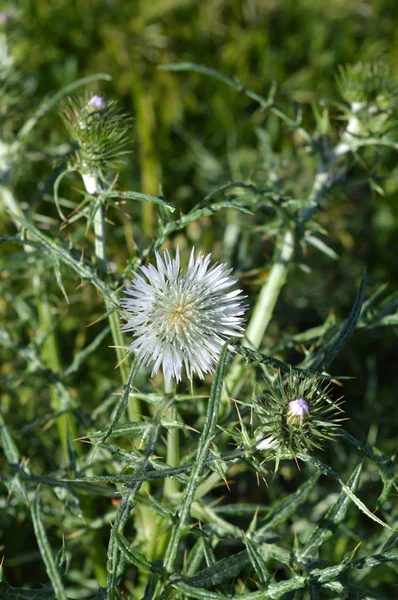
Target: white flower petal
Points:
(182, 319)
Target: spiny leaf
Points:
(258, 563)
(83, 270)
(331, 520)
(265, 103)
(45, 550)
(10, 593)
(142, 197)
(123, 399)
(136, 558)
(205, 440)
(287, 507)
(362, 506)
(201, 594)
(328, 353)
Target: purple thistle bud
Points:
(96, 102)
(4, 17)
(299, 408)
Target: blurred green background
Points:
(192, 134)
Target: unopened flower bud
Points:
(97, 102)
(300, 425)
(299, 408)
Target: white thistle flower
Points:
(182, 319)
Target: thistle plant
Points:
(145, 487)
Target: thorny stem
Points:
(94, 185)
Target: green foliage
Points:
(244, 146)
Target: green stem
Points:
(170, 490)
(94, 185)
(270, 291)
(264, 307)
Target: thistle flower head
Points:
(182, 319)
(296, 415)
(100, 130)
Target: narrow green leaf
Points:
(385, 464)
(223, 570)
(332, 573)
(159, 508)
(121, 430)
(258, 563)
(202, 594)
(81, 357)
(362, 506)
(56, 185)
(321, 246)
(136, 558)
(264, 359)
(375, 559)
(205, 441)
(283, 590)
(288, 506)
(45, 550)
(84, 271)
(13, 458)
(142, 197)
(121, 407)
(330, 521)
(116, 561)
(150, 589)
(10, 593)
(265, 103)
(329, 352)
(10, 448)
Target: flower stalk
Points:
(171, 487)
(94, 185)
(264, 307)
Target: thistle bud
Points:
(100, 131)
(96, 102)
(298, 408)
(296, 414)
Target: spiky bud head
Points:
(100, 131)
(296, 414)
